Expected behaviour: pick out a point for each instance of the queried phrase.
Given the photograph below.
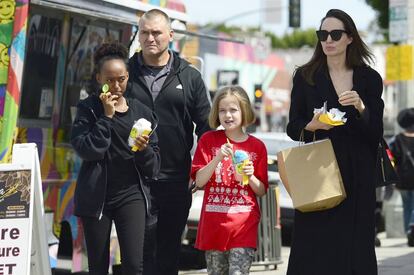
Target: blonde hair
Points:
(247, 113)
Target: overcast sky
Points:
(204, 11)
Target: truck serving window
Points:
(86, 36)
(40, 68)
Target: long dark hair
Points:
(105, 52)
(357, 53)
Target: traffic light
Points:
(258, 93)
(294, 13)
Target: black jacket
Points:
(182, 101)
(402, 148)
(91, 138)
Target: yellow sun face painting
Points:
(7, 10)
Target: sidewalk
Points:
(394, 258)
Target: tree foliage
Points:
(296, 39)
(230, 30)
(381, 7)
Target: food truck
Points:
(46, 62)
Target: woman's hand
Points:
(351, 98)
(315, 124)
(109, 102)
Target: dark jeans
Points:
(163, 239)
(408, 208)
(129, 220)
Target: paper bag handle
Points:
(302, 137)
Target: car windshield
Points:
(274, 143)
(272, 164)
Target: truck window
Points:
(85, 38)
(40, 68)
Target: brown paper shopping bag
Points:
(311, 175)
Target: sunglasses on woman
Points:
(335, 34)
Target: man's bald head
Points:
(156, 14)
(155, 35)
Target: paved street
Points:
(394, 258)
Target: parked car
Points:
(274, 142)
(285, 202)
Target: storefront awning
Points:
(123, 11)
(174, 8)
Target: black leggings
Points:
(129, 220)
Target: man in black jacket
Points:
(176, 92)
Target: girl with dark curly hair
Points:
(110, 186)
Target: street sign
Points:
(398, 20)
(261, 45)
(23, 244)
(227, 78)
(399, 62)
(272, 10)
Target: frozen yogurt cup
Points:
(240, 159)
(140, 127)
(334, 117)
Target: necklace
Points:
(122, 107)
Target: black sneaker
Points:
(377, 242)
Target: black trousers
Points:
(129, 219)
(172, 201)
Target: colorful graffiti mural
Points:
(13, 22)
(59, 163)
(67, 47)
(59, 168)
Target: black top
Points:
(403, 151)
(93, 136)
(123, 178)
(182, 102)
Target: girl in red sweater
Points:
(230, 213)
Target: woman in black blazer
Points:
(339, 241)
